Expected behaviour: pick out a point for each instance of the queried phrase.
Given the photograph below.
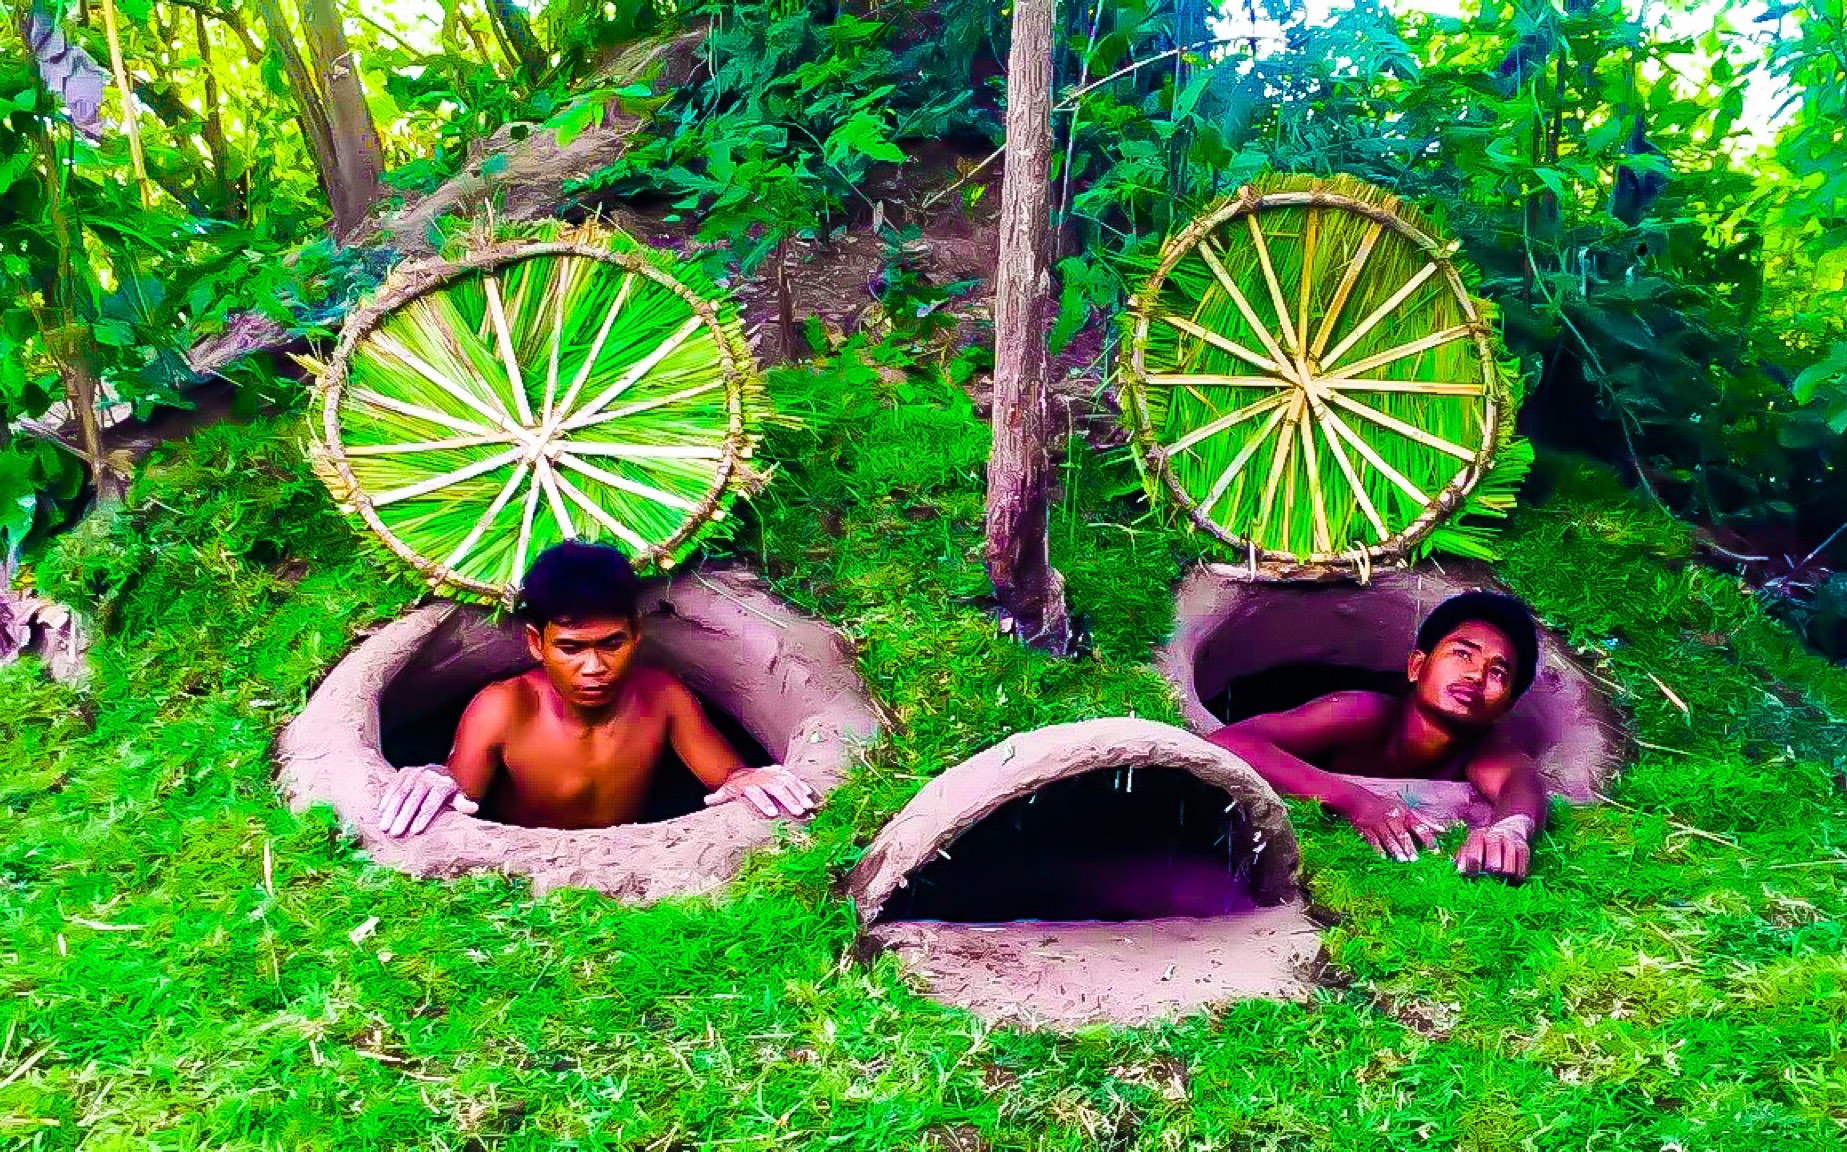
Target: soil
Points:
(1066, 976)
(790, 682)
(46, 629)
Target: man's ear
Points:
(1414, 665)
(535, 642)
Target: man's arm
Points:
(1509, 780)
(1278, 745)
(771, 791)
(417, 794)
(476, 756)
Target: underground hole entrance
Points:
(781, 686)
(1242, 648)
(1293, 684)
(1110, 845)
(417, 723)
(1111, 870)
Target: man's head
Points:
(578, 605)
(1474, 657)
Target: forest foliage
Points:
(1669, 267)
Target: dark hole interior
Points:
(423, 736)
(1286, 686)
(1110, 845)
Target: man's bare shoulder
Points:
(1324, 724)
(1360, 704)
(1351, 717)
(659, 687)
(507, 701)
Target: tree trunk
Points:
(311, 109)
(1031, 593)
(228, 203)
(516, 31)
(474, 36)
(358, 157)
(66, 337)
(787, 342)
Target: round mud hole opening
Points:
(1242, 648)
(1107, 871)
(782, 688)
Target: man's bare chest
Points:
(552, 764)
(1380, 762)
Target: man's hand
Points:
(772, 791)
(416, 796)
(1389, 826)
(1500, 849)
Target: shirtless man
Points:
(1473, 658)
(575, 742)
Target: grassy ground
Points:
(184, 970)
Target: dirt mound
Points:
(790, 682)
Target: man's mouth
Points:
(1466, 696)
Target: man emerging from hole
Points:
(575, 742)
(1473, 658)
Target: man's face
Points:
(585, 659)
(1467, 677)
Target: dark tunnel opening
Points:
(1111, 845)
(1290, 685)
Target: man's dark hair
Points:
(578, 581)
(1505, 614)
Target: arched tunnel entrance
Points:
(1110, 870)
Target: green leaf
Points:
(112, 333)
(1189, 96)
(379, 101)
(1831, 369)
(13, 168)
(1073, 303)
(864, 135)
(639, 99)
(1501, 150)
(571, 122)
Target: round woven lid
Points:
(478, 410)
(1308, 377)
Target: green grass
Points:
(1672, 974)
